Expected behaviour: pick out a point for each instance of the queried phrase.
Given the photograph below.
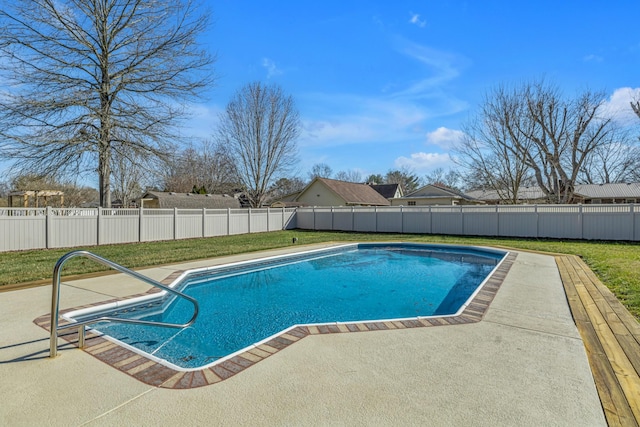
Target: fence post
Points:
(581, 219)
(332, 222)
(268, 219)
(228, 221)
(401, 219)
(633, 221)
(140, 224)
(47, 227)
(537, 222)
(175, 223)
(375, 218)
(249, 220)
(204, 216)
(282, 223)
(98, 225)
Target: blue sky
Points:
(386, 84)
(382, 84)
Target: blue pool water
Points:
(243, 304)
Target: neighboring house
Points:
(160, 199)
(435, 194)
(608, 193)
(584, 193)
(388, 191)
(531, 195)
(331, 192)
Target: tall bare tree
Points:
(553, 136)
(488, 154)
(259, 129)
(85, 76)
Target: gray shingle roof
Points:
(192, 201)
(588, 191)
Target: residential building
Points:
(170, 200)
(331, 192)
(435, 194)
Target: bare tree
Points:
(349, 176)
(614, 163)
(259, 129)
(535, 126)
(286, 186)
(450, 178)
(320, 170)
(86, 76)
(206, 167)
(488, 154)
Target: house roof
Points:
(352, 193)
(192, 201)
(435, 191)
(388, 191)
(588, 191)
(524, 193)
(610, 191)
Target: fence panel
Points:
(480, 221)
(118, 226)
(365, 220)
(343, 219)
(447, 220)
(517, 221)
(188, 223)
(389, 220)
(70, 227)
(22, 229)
(216, 222)
(559, 222)
(157, 224)
(608, 222)
(416, 220)
(259, 220)
(238, 221)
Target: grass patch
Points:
(617, 264)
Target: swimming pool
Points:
(248, 302)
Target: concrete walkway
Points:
(523, 364)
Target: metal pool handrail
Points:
(55, 301)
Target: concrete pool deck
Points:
(523, 364)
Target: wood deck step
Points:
(611, 338)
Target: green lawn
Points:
(617, 264)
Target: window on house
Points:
(629, 200)
(596, 201)
(411, 203)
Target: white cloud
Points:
(444, 138)
(443, 66)
(593, 58)
(618, 106)
(415, 20)
(425, 162)
(270, 66)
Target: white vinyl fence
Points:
(39, 228)
(588, 222)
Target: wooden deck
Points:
(611, 337)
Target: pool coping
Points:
(153, 373)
